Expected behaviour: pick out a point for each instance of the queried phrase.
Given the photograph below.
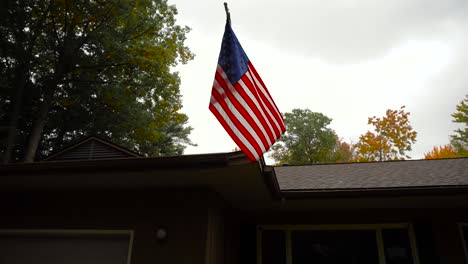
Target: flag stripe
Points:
(238, 138)
(271, 109)
(238, 120)
(262, 87)
(271, 118)
(250, 110)
(255, 105)
(240, 112)
(232, 129)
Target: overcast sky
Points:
(348, 59)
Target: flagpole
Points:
(228, 15)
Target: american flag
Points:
(241, 102)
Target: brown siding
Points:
(215, 237)
(449, 242)
(185, 214)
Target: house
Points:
(96, 202)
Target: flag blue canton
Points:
(232, 57)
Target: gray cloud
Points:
(347, 31)
(339, 33)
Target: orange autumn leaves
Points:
(390, 139)
(442, 152)
(393, 136)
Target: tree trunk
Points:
(40, 121)
(20, 84)
(65, 59)
(21, 77)
(38, 125)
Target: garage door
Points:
(65, 247)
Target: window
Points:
(65, 246)
(464, 235)
(274, 247)
(330, 246)
(397, 246)
(363, 244)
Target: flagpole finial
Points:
(228, 15)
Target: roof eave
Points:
(213, 160)
(375, 192)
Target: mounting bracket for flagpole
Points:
(228, 15)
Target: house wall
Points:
(191, 217)
(436, 231)
(203, 229)
(215, 237)
(448, 241)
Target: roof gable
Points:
(92, 148)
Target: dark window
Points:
(465, 233)
(334, 247)
(465, 236)
(425, 243)
(273, 247)
(248, 244)
(397, 246)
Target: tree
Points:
(392, 137)
(308, 139)
(442, 152)
(460, 139)
(458, 146)
(343, 152)
(74, 68)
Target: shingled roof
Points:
(375, 175)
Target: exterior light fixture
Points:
(161, 234)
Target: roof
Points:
(92, 148)
(230, 175)
(375, 175)
(248, 185)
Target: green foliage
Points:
(460, 139)
(308, 139)
(94, 67)
(392, 137)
